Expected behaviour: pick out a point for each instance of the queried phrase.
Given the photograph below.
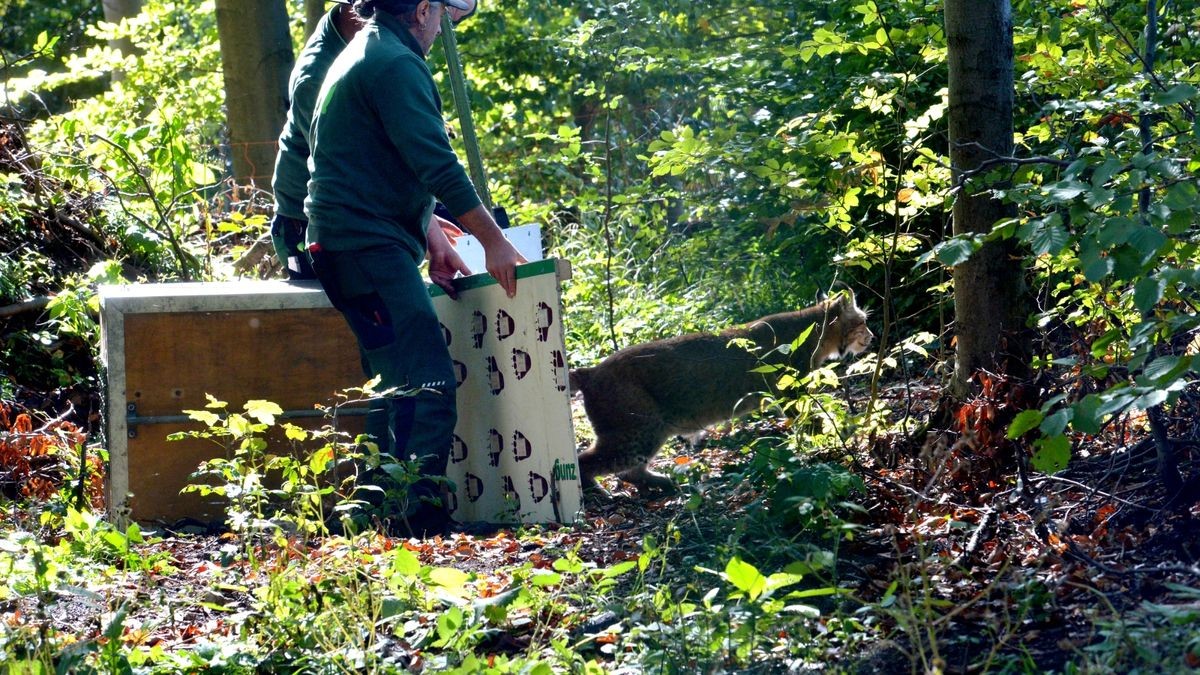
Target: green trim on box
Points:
(533, 269)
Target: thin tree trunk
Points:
(989, 288)
(114, 12)
(313, 11)
(256, 60)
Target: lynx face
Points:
(642, 395)
(859, 338)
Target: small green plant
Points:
(88, 535)
(1160, 637)
(75, 310)
(272, 495)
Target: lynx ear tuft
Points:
(848, 304)
(845, 294)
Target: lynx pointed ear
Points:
(847, 303)
(839, 287)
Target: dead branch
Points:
(35, 305)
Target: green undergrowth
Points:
(756, 567)
(301, 583)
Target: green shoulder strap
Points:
(458, 86)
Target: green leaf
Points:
(1147, 240)
(1182, 197)
(1113, 401)
(1104, 173)
(319, 458)
(1128, 263)
(1085, 417)
(202, 174)
(208, 419)
(1050, 237)
(449, 623)
(238, 425)
(263, 411)
(405, 563)
(1150, 399)
(449, 578)
(745, 577)
(782, 580)
(1025, 420)
(1165, 368)
(1052, 454)
(295, 433)
(1095, 265)
(44, 42)
(545, 578)
(1098, 197)
(1055, 424)
(1115, 231)
(1177, 94)
(1148, 292)
(618, 569)
(116, 540)
(956, 251)
(1066, 190)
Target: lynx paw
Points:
(651, 485)
(594, 495)
(656, 490)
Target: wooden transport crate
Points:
(166, 346)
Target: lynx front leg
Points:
(649, 483)
(589, 470)
(625, 455)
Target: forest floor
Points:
(981, 562)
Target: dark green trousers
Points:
(385, 300)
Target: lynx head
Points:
(846, 331)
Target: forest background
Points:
(1029, 506)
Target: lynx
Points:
(642, 395)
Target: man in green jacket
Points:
(290, 181)
(380, 157)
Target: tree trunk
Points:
(256, 59)
(114, 11)
(313, 11)
(989, 289)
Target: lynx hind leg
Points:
(626, 455)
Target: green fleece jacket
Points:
(290, 182)
(380, 152)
